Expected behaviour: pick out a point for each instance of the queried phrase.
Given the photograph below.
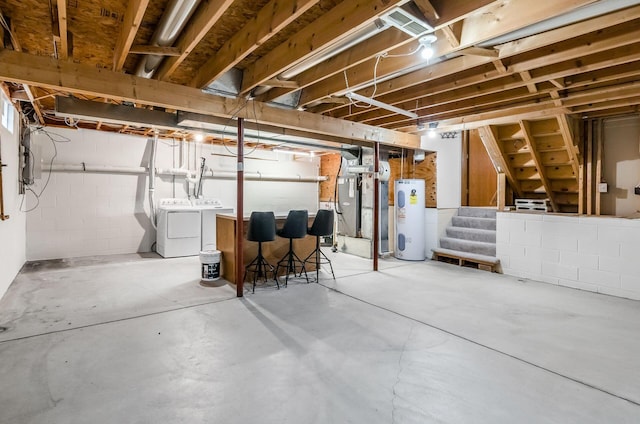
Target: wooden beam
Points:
(490, 139)
(587, 61)
(430, 94)
(501, 200)
(513, 15)
(5, 89)
(282, 83)
(130, 24)
(385, 41)
(429, 12)
(556, 97)
(557, 83)
(450, 11)
(528, 138)
(198, 26)
(63, 48)
(399, 58)
(34, 102)
(270, 20)
(480, 51)
(452, 34)
(599, 147)
(155, 50)
(83, 79)
(526, 77)
(344, 19)
(569, 142)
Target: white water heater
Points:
(409, 216)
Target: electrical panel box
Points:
(603, 187)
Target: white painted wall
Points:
(621, 165)
(449, 180)
(83, 214)
(590, 253)
(12, 230)
(449, 171)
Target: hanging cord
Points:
(375, 75)
(54, 138)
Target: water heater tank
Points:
(409, 217)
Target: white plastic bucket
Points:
(210, 260)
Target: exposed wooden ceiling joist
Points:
(376, 45)
(201, 22)
(345, 18)
(130, 24)
(63, 49)
(269, 21)
(75, 78)
(585, 50)
(500, 20)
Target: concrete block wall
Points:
(12, 230)
(598, 254)
(85, 214)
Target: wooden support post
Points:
(240, 211)
(599, 141)
(589, 163)
(376, 204)
(464, 201)
(580, 127)
(502, 191)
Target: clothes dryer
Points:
(179, 228)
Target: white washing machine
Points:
(179, 228)
(209, 208)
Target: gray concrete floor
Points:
(132, 339)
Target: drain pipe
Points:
(173, 20)
(152, 180)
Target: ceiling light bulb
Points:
(431, 133)
(427, 52)
(426, 47)
(199, 137)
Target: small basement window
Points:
(7, 114)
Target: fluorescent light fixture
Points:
(293, 152)
(373, 102)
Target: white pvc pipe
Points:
(152, 180)
(254, 176)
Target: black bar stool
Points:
(262, 228)
(295, 227)
(322, 226)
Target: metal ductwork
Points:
(175, 17)
(327, 52)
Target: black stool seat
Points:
(295, 227)
(322, 226)
(262, 228)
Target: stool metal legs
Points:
(319, 258)
(260, 268)
(292, 260)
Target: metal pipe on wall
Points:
(253, 176)
(240, 211)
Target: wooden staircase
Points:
(538, 158)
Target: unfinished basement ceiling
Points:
(495, 62)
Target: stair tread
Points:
(481, 243)
(473, 230)
(467, 255)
